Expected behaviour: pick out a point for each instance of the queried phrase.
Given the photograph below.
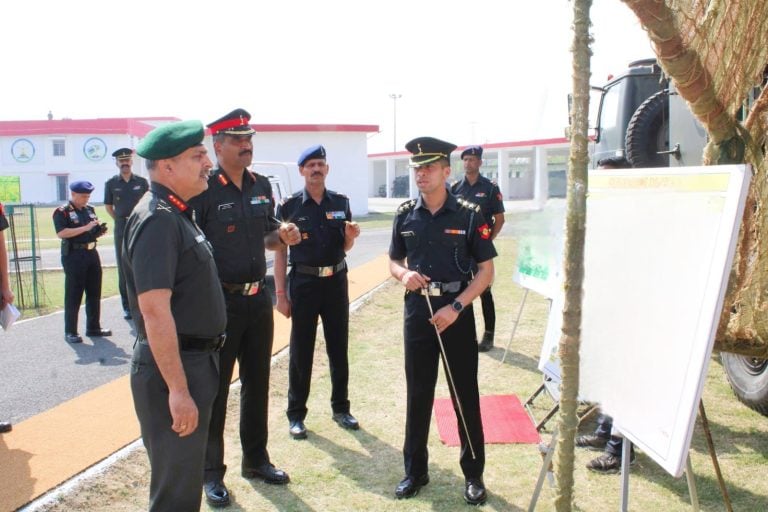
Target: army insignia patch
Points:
(231, 228)
(485, 231)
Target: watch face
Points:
(457, 306)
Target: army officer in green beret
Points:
(177, 303)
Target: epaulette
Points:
(454, 183)
(406, 206)
(466, 204)
(290, 197)
(64, 207)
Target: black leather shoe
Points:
(127, 314)
(72, 338)
(267, 472)
(346, 420)
(216, 494)
(99, 332)
(487, 343)
(297, 430)
(409, 486)
(474, 491)
(5, 426)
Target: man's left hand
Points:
(289, 233)
(351, 229)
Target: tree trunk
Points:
(576, 213)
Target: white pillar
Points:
(390, 175)
(503, 173)
(541, 177)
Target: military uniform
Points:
(3, 219)
(318, 288)
(82, 268)
(485, 194)
(182, 261)
(123, 196)
(163, 249)
(443, 247)
(236, 220)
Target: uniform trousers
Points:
(489, 310)
(119, 230)
(82, 273)
(176, 462)
(250, 328)
(422, 354)
(327, 298)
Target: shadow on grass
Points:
(516, 359)
(281, 496)
(707, 488)
(444, 487)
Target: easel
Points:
(514, 325)
(625, 462)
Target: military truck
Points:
(641, 117)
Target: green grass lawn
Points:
(337, 470)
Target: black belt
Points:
(321, 271)
(436, 288)
(243, 288)
(197, 343)
(88, 247)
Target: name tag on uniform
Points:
(259, 200)
(455, 231)
(225, 206)
(480, 194)
(335, 215)
(137, 187)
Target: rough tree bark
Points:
(576, 212)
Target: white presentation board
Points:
(659, 248)
(540, 252)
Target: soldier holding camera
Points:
(78, 227)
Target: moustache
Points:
(246, 152)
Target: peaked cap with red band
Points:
(236, 122)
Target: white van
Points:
(278, 174)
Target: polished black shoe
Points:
(474, 491)
(5, 427)
(72, 338)
(487, 342)
(127, 314)
(99, 332)
(297, 430)
(346, 420)
(216, 494)
(267, 472)
(409, 486)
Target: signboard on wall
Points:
(10, 189)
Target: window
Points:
(62, 184)
(58, 147)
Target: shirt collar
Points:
(306, 197)
(168, 196)
(449, 204)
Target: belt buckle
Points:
(325, 271)
(251, 288)
(434, 289)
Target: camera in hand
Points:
(99, 230)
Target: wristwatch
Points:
(457, 306)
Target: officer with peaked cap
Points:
(435, 239)
(180, 315)
(121, 193)
(480, 190)
(78, 228)
(236, 214)
(318, 288)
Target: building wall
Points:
(86, 157)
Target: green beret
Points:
(171, 139)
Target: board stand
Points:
(548, 452)
(514, 325)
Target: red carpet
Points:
(504, 421)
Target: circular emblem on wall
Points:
(22, 150)
(94, 149)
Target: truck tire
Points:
(748, 377)
(648, 132)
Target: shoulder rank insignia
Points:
(466, 204)
(406, 206)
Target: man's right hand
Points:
(183, 411)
